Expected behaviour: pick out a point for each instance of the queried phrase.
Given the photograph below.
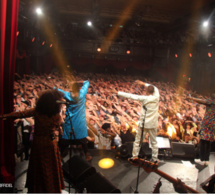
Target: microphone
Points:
(144, 107)
(63, 102)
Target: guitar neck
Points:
(173, 180)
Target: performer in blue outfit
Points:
(76, 117)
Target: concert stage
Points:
(124, 175)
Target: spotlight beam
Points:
(185, 67)
(60, 58)
(121, 21)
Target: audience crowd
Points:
(113, 120)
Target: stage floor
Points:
(124, 175)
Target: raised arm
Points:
(200, 101)
(23, 114)
(139, 82)
(111, 132)
(48, 85)
(91, 127)
(156, 91)
(131, 96)
(84, 88)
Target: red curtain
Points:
(8, 39)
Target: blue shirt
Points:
(75, 114)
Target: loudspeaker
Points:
(183, 150)
(76, 170)
(125, 150)
(97, 183)
(83, 176)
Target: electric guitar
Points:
(153, 167)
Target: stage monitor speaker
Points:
(97, 183)
(125, 150)
(76, 170)
(183, 150)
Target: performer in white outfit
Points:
(151, 102)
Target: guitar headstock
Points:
(146, 165)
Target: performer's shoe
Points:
(198, 161)
(156, 161)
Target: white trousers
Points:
(152, 134)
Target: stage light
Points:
(205, 24)
(43, 43)
(128, 51)
(176, 55)
(106, 163)
(51, 45)
(17, 33)
(171, 130)
(135, 126)
(190, 54)
(209, 55)
(99, 49)
(189, 79)
(89, 23)
(33, 39)
(39, 11)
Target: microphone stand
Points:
(140, 145)
(72, 133)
